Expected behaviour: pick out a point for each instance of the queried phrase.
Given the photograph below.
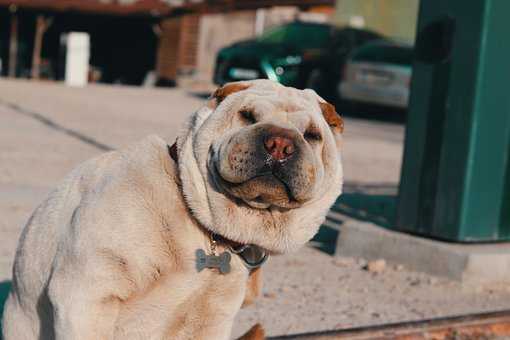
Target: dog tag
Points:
(222, 261)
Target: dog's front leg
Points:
(253, 287)
(85, 304)
(82, 312)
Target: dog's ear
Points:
(333, 119)
(221, 93)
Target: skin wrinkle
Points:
(237, 161)
(262, 212)
(230, 106)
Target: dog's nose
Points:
(279, 147)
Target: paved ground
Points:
(46, 130)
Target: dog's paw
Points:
(255, 333)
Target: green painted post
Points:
(456, 175)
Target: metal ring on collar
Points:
(252, 255)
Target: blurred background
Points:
(421, 231)
(302, 43)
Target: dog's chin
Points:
(263, 204)
(260, 202)
(262, 192)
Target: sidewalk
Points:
(46, 130)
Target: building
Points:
(131, 38)
(393, 18)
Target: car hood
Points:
(260, 50)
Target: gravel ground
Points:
(47, 129)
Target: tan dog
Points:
(111, 253)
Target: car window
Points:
(391, 54)
(304, 35)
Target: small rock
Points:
(399, 267)
(432, 281)
(270, 295)
(377, 266)
(342, 262)
(361, 262)
(415, 282)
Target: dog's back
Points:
(28, 313)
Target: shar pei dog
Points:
(164, 242)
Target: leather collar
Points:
(252, 255)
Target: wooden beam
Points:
(41, 26)
(490, 325)
(231, 5)
(13, 42)
(158, 8)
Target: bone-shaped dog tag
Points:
(222, 261)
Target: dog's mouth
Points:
(262, 191)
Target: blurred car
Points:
(298, 54)
(378, 73)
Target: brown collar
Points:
(252, 255)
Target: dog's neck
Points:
(253, 256)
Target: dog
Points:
(160, 242)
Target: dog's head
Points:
(261, 163)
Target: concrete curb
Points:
(480, 263)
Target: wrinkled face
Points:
(272, 150)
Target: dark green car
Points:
(298, 54)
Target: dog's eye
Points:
(312, 135)
(247, 115)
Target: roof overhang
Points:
(155, 8)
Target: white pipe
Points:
(260, 18)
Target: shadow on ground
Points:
(325, 239)
(375, 203)
(5, 286)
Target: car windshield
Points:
(390, 54)
(304, 35)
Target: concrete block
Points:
(468, 263)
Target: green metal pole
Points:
(455, 167)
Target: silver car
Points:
(378, 73)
